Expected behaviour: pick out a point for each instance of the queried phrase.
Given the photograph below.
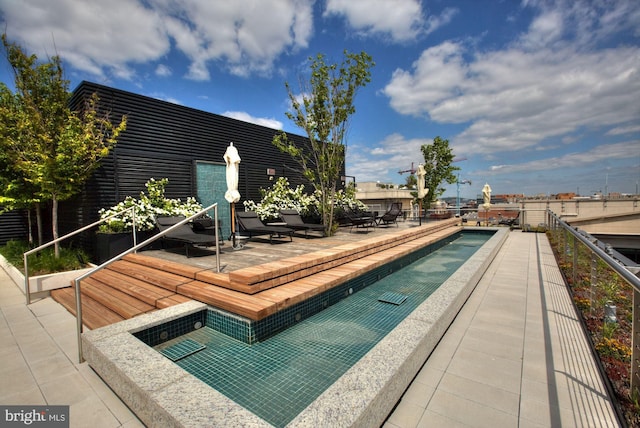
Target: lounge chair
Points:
(295, 222)
(390, 216)
(251, 225)
(184, 233)
(204, 226)
(358, 219)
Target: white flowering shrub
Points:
(282, 197)
(147, 208)
(347, 197)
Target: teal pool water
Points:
(278, 377)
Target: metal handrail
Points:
(78, 291)
(625, 274)
(25, 256)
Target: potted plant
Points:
(116, 234)
(282, 197)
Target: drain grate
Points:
(393, 298)
(183, 349)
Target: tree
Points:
(438, 159)
(52, 149)
(323, 110)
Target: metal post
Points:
(79, 327)
(635, 344)
(575, 260)
(594, 280)
(215, 223)
(565, 246)
(135, 232)
(27, 292)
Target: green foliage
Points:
(611, 347)
(282, 197)
(49, 150)
(146, 209)
(44, 261)
(411, 181)
(438, 158)
(323, 110)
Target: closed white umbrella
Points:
(422, 189)
(232, 159)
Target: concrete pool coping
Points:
(163, 394)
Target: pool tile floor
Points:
(514, 357)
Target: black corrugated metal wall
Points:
(162, 140)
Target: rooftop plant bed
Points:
(611, 339)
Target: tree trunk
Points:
(331, 207)
(39, 223)
(54, 224)
(29, 227)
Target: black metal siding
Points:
(13, 225)
(163, 139)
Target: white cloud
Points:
(624, 130)
(237, 33)
(246, 117)
(401, 19)
(91, 36)
(391, 155)
(107, 38)
(163, 70)
(527, 95)
(597, 155)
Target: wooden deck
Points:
(139, 283)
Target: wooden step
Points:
(121, 303)
(141, 290)
(243, 304)
(94, 314)
(175, 299)
(164, 265)
(146, 273)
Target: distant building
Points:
(379, 197)
(505, 198)
(564, 196)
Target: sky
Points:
(534, 96)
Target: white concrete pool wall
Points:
(164, 395)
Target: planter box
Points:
(53, 281)
(109, 245)
(41, 283)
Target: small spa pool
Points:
(280, 374)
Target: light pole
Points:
(458, 182)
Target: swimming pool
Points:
(330, 353)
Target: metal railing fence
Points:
(570, 238)
(25, 256)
